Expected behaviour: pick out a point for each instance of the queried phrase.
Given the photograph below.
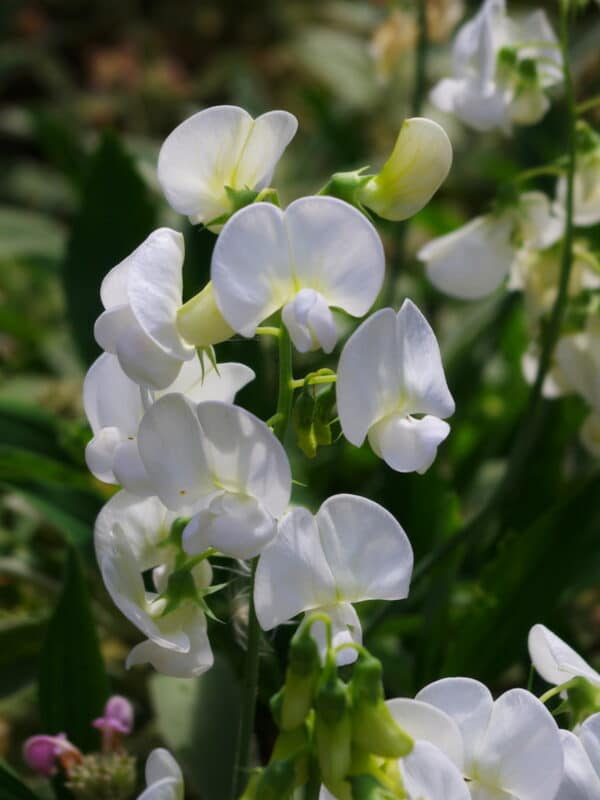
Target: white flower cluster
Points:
(200, 475)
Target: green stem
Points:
(530, 426)
(557, 690)
(251, 667)
(536, 172)
(587, 105)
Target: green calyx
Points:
(347, 186)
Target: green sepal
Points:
(347, 185)
(277, 781)
(302, 420)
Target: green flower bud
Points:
(277, 781)
(300, 681)
(324, 404)
(294, 746)
(103, 776)
(373, 727)
(333, 728)
(583, 699)
(347, 185)
(367, 787)
(302, 419)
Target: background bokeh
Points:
(88, 90)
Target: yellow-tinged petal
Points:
(200, 322)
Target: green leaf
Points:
(199, 720)
(73, 685)
(12, 787)
(28, 233)
(116, 215)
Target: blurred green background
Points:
(89, 89)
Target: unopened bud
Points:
(583, 699)
(301, 679)
(302, 419)
(277, 781)
(373, 727)
(200, 322)
(367, 787)
(333, 728)
(45, 754)
(105, 776)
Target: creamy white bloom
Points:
(317, 254)
(351, 550)
(391, 387)
(581, 751)
(223, 460)
(129, 537)
(474, 260)
(501, 70)
(511, 746)
(586, 189)
(554, 660)
(164, 780)
(141, 296)
(219, 148)
(114, 406)
(419, 164)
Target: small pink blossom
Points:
(116, 721)
(44, 753)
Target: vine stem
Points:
(530, 425)
(252, 661)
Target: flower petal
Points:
(368, 380)
(580, 780)
(310, 322)
(407, 444)
(589, 733)
(336, 251)
(160, 765)
(129, 469)
(143, 360)
(220, 385)
(172, 448)
(368, 553)
(554, 660)
(100, 454)
(198, 159)
(474, 260)
(418, 165)
(292, 573)
(469, 703)
(110, 398)
(269, 136)
(245, 456)
(428, 773)
(251, 271)
(422, 374)
(425, 722)
(198, 659)
(521, 750)
(345, 629)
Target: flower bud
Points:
(45, 754)
(324, 404)
(333, 728)
(373, 726)
(277, 781)
(302, 419)
(301, 678)
(116, 721)
(200, 322)
(105, 775)
(583, 699)
(367, 787)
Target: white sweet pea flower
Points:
(129, 537)
(586, 188)
(501, 70)
(581, 751)
(419, 164)
(223, 460)
(164, 780)
(474, 260)
(142, 296)
(351, 550)
(390, 371)
(512, 748)
(114, 406)
(217, 149)
(554, 660)
(317, 254)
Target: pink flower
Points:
(117, 721)
(44, 753)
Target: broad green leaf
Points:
(12, 787)
(198, 720)
(73, 685)
(116, 215)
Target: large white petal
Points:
(198, 659)
(237, 525)
(129, 469)
(474, 260)
(521, 751)
(368, 380)
(172, 447)
(469, 703)
(422, 374)
(113, 289)
(336, 251)
(541, 225)
(310, 322)
(245, 456)
(221, 384)
(100, 454)
(418, 165)
(292, 574)
(407, 444)
(554, 660)
(110, 326)
(423, 721)
(155, 288)
(367, 551)
(143, 360)
(589, 733)
(165, 789)
(580, 780)
(428, 773)
(198, 159)
(160, 765)
(110, 398)
(269, 136)
(251, 270)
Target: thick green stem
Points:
(251, 667)
(531, 422)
